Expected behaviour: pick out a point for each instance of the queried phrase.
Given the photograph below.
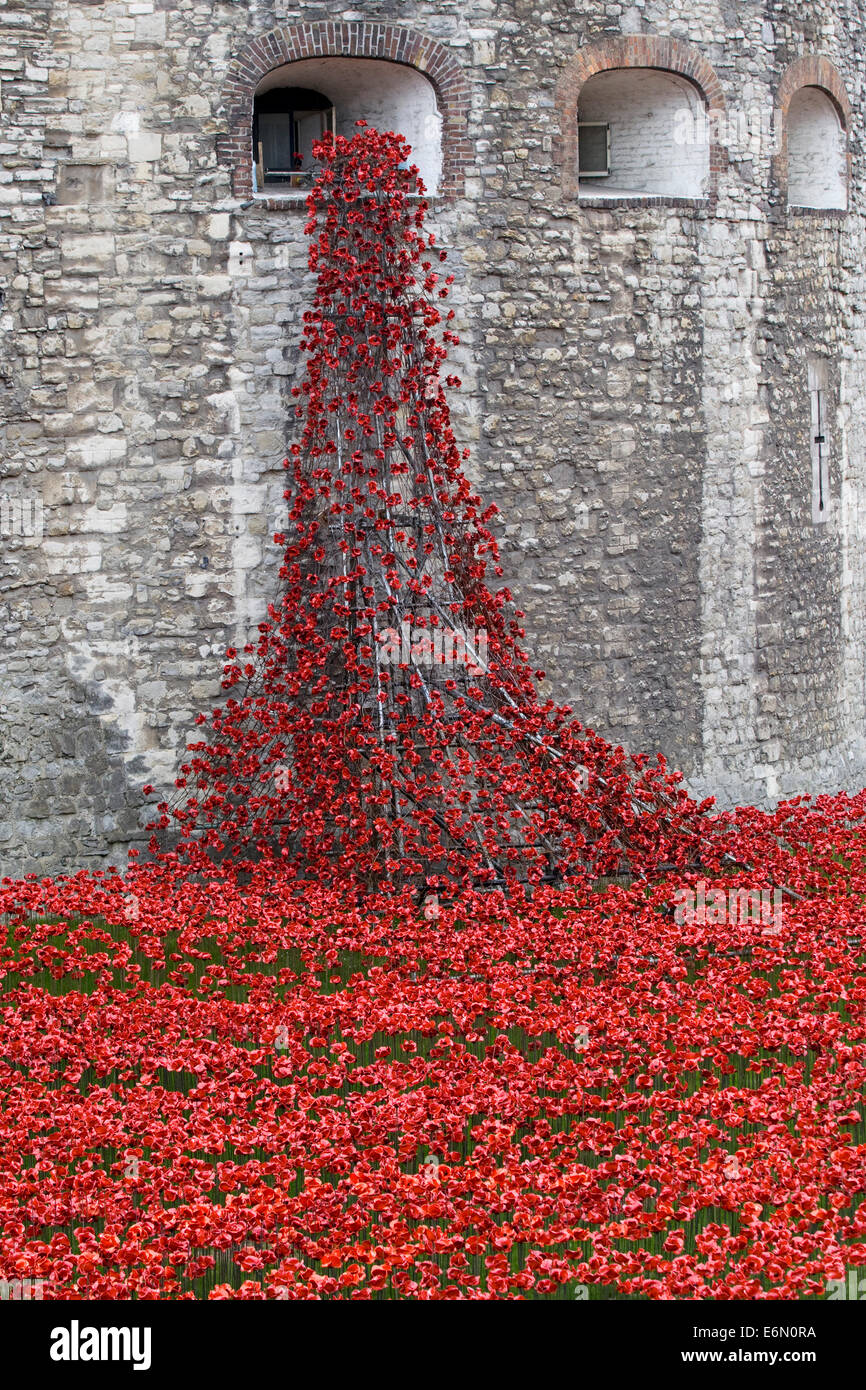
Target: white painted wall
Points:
(817, 146)
(390, 96)
(659, 140)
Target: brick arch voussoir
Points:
(325, 39)
(813, 70)
(645, 51)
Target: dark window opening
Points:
(286, 122)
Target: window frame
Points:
(594, 173)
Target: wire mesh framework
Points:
(387, 721)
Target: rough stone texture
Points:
(634, 383)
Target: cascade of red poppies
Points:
(387, 721)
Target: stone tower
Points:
(655, 214)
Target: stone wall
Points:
(635, 383)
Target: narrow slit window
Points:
(819, 440)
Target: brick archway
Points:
(810, 71)
(388, 42)
(814, 71)
(635, 51)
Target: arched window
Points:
(394, 77)
(640, 118)
(296, 103)
(642, 132)
(817, 152)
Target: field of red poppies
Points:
(220, 1089)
